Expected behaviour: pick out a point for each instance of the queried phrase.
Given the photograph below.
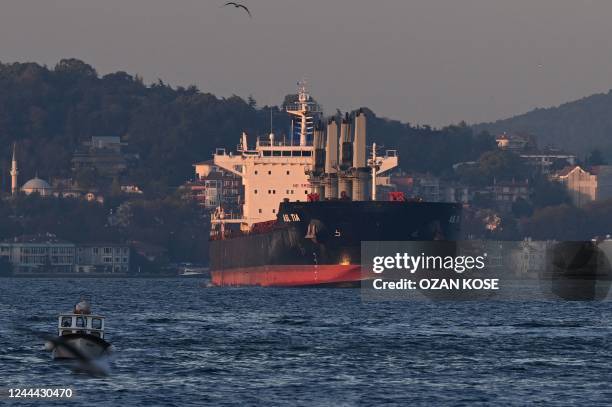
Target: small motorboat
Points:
(80, 335)
(189, 271)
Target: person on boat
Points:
(82, 307)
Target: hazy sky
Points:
(423, 61)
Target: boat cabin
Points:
(81, 324)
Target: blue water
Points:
(180, 344)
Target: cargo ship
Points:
(310, 201)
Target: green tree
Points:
(547, 193)
(521, 208)
(87, 178)
(596, 158)
(501, 164)
(116, 187)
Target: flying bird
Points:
(238, 5)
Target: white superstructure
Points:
(320, 165)
(270, 172)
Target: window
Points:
(305, 192)
(286, 153)
(256, 172)
(125, 259)
(306, 153)
(267, 153)
(255, 192)
(66, 322)
(274, 191)
(96, 250)
(287, 172)
(80, 322)
(260, 211)
(269, 172)
(108, 250)
(96, 323)
(276, 153)
(273, 210)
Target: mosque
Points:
(35, 185)
(44, 189)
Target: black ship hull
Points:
(318, 243)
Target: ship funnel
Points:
(359, 141)
(319, 150)
(345, 149)
(331, 160)
(331, 149)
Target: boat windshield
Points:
(96, 323)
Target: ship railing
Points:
(229, 216)
(275, 143)
(296, 107)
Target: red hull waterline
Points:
(289, 275)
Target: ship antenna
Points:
(271, 121)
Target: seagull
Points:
(238, 5)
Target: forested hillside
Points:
(50, 111)
(579, 127)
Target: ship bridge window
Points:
(306, 153)
(80, 322)
(66, 322)
(296, 153)
(276, 153)
(286, 153)
(267, 153)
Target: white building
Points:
(47, 254)
(39, 254)
(102, 258)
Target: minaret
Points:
(14, 172)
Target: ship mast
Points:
(305, 110)
(374, 166)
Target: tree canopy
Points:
(50, 112)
